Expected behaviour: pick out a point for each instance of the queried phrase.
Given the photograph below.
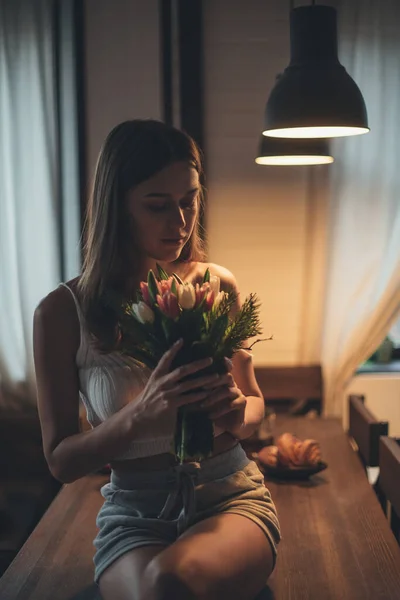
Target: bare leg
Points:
(122, 579)
(225, 556)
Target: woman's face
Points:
(164, 210)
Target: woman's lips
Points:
(173, 242)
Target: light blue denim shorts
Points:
(156, 507)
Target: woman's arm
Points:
(243, 421)
(246, 383)
(240, 409)
(70, 454)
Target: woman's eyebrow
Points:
(163, 195)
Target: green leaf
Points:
(174, 289)
(179, 280)
(245, 325)
(153, 288)
(218, 329)
(199, 308)
(206, 321)
(168, 328)
(206, 277)
(161, 273)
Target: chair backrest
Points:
(389, 479)
(366, 430)
(300, 388)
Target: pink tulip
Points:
(201, 293)
(209, 301)
(165, 285)
(161, 304)
(168, 304)
(144, 288)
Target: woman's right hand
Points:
(156, 407)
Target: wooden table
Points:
(337, 544)
(56, 563)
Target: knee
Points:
(182, 580)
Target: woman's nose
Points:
(179, 217)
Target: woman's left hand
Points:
(227, 405)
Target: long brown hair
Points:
(132, 152)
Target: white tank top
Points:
(110, 381)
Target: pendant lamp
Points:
(315, 97)
(285, 152)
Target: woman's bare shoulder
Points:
(228, 280)
(58, 306)
(73, 283)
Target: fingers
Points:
(228, 364)
(190, 398)
(204, 382)
(225, 380)
(223, 394)
(165, 362)
(189, 369)
(226, 407)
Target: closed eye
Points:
(189, 204)
(156, 208)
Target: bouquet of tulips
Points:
(167, 309)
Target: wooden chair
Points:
(365, 430)
(296, 390)
(389, 480)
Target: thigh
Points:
(227, 555)
(122, 579)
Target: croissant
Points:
(291, 452)
(310, 452)
(269, 456)
(288, 449)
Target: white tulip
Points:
(220, 296)
(215, 284)
(186, 295)
(143, 313)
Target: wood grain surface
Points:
(337, 543)
(56, 561)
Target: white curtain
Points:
(29, 250)
(394, 334)
(363, 271)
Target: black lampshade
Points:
(285, 152)
(314, 97)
